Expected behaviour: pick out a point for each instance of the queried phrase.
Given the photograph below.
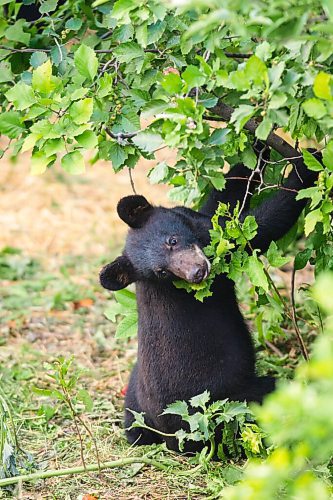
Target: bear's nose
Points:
(199, 273)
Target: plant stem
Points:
(294, 318)
(80, 470)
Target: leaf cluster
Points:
(227, 428)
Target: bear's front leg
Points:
(137, 435)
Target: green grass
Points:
(48, 311)
(41, 318)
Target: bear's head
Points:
(163, 244)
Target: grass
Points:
(46, 313)
(56, 310)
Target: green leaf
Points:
(87, 139)
(328, 155)
(314, 108)
(153, 107)
(39, 163)
(249, 157)
(58, 54)
(5, 72)
(256, 70)
(278, 100)
(81, 111)
(11, 124)
(219, 136)
(128, 326)
(148, 141)
(218, 181)
(117, 154)
(311, 220)
(241, 115)
(38, 58)
(84, 396)
(274, 256)
(139, 419)
(128, 51)
(302, 258)
(311, 162)
(193, 77)
(73, 163)
(21, 95)
(48, 6)
(312, 193)
(172, 83)
(73, 24)
(113, 310)
(29, 142)
(249, 227)
(16, 33)
(141, 34)
(159, 173)
(255, 271)
(53, 146)
(155, 31)
(86, 61)
(177, 408)
(41, 78)
(264, 128)
(201, 400)
(121, 8)
(126, 298)
(105, 85)
(322, 86)
(124, 33)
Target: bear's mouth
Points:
(190, 264)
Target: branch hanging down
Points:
(274, 141)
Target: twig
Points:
(131, 180)
(294, 318)
(73, 412)
(110, 51)
(275, 349)
(266, 186)
(12, 49)
(106, 34)
(237, 55)
(253, 173)
(81, 470)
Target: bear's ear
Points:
(134, 210)
(117, 275)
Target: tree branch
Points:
(238, 55)
(225, 111)
(120, 135)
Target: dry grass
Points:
(57, 214)
(59, 218)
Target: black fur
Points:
(184, 346)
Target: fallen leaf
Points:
(82, 303)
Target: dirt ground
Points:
(70, 226)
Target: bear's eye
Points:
(172, 241)
(161, 273)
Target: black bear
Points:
(185, 346)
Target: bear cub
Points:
(184, 346)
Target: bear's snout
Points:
(190, 264)
(199, 273)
